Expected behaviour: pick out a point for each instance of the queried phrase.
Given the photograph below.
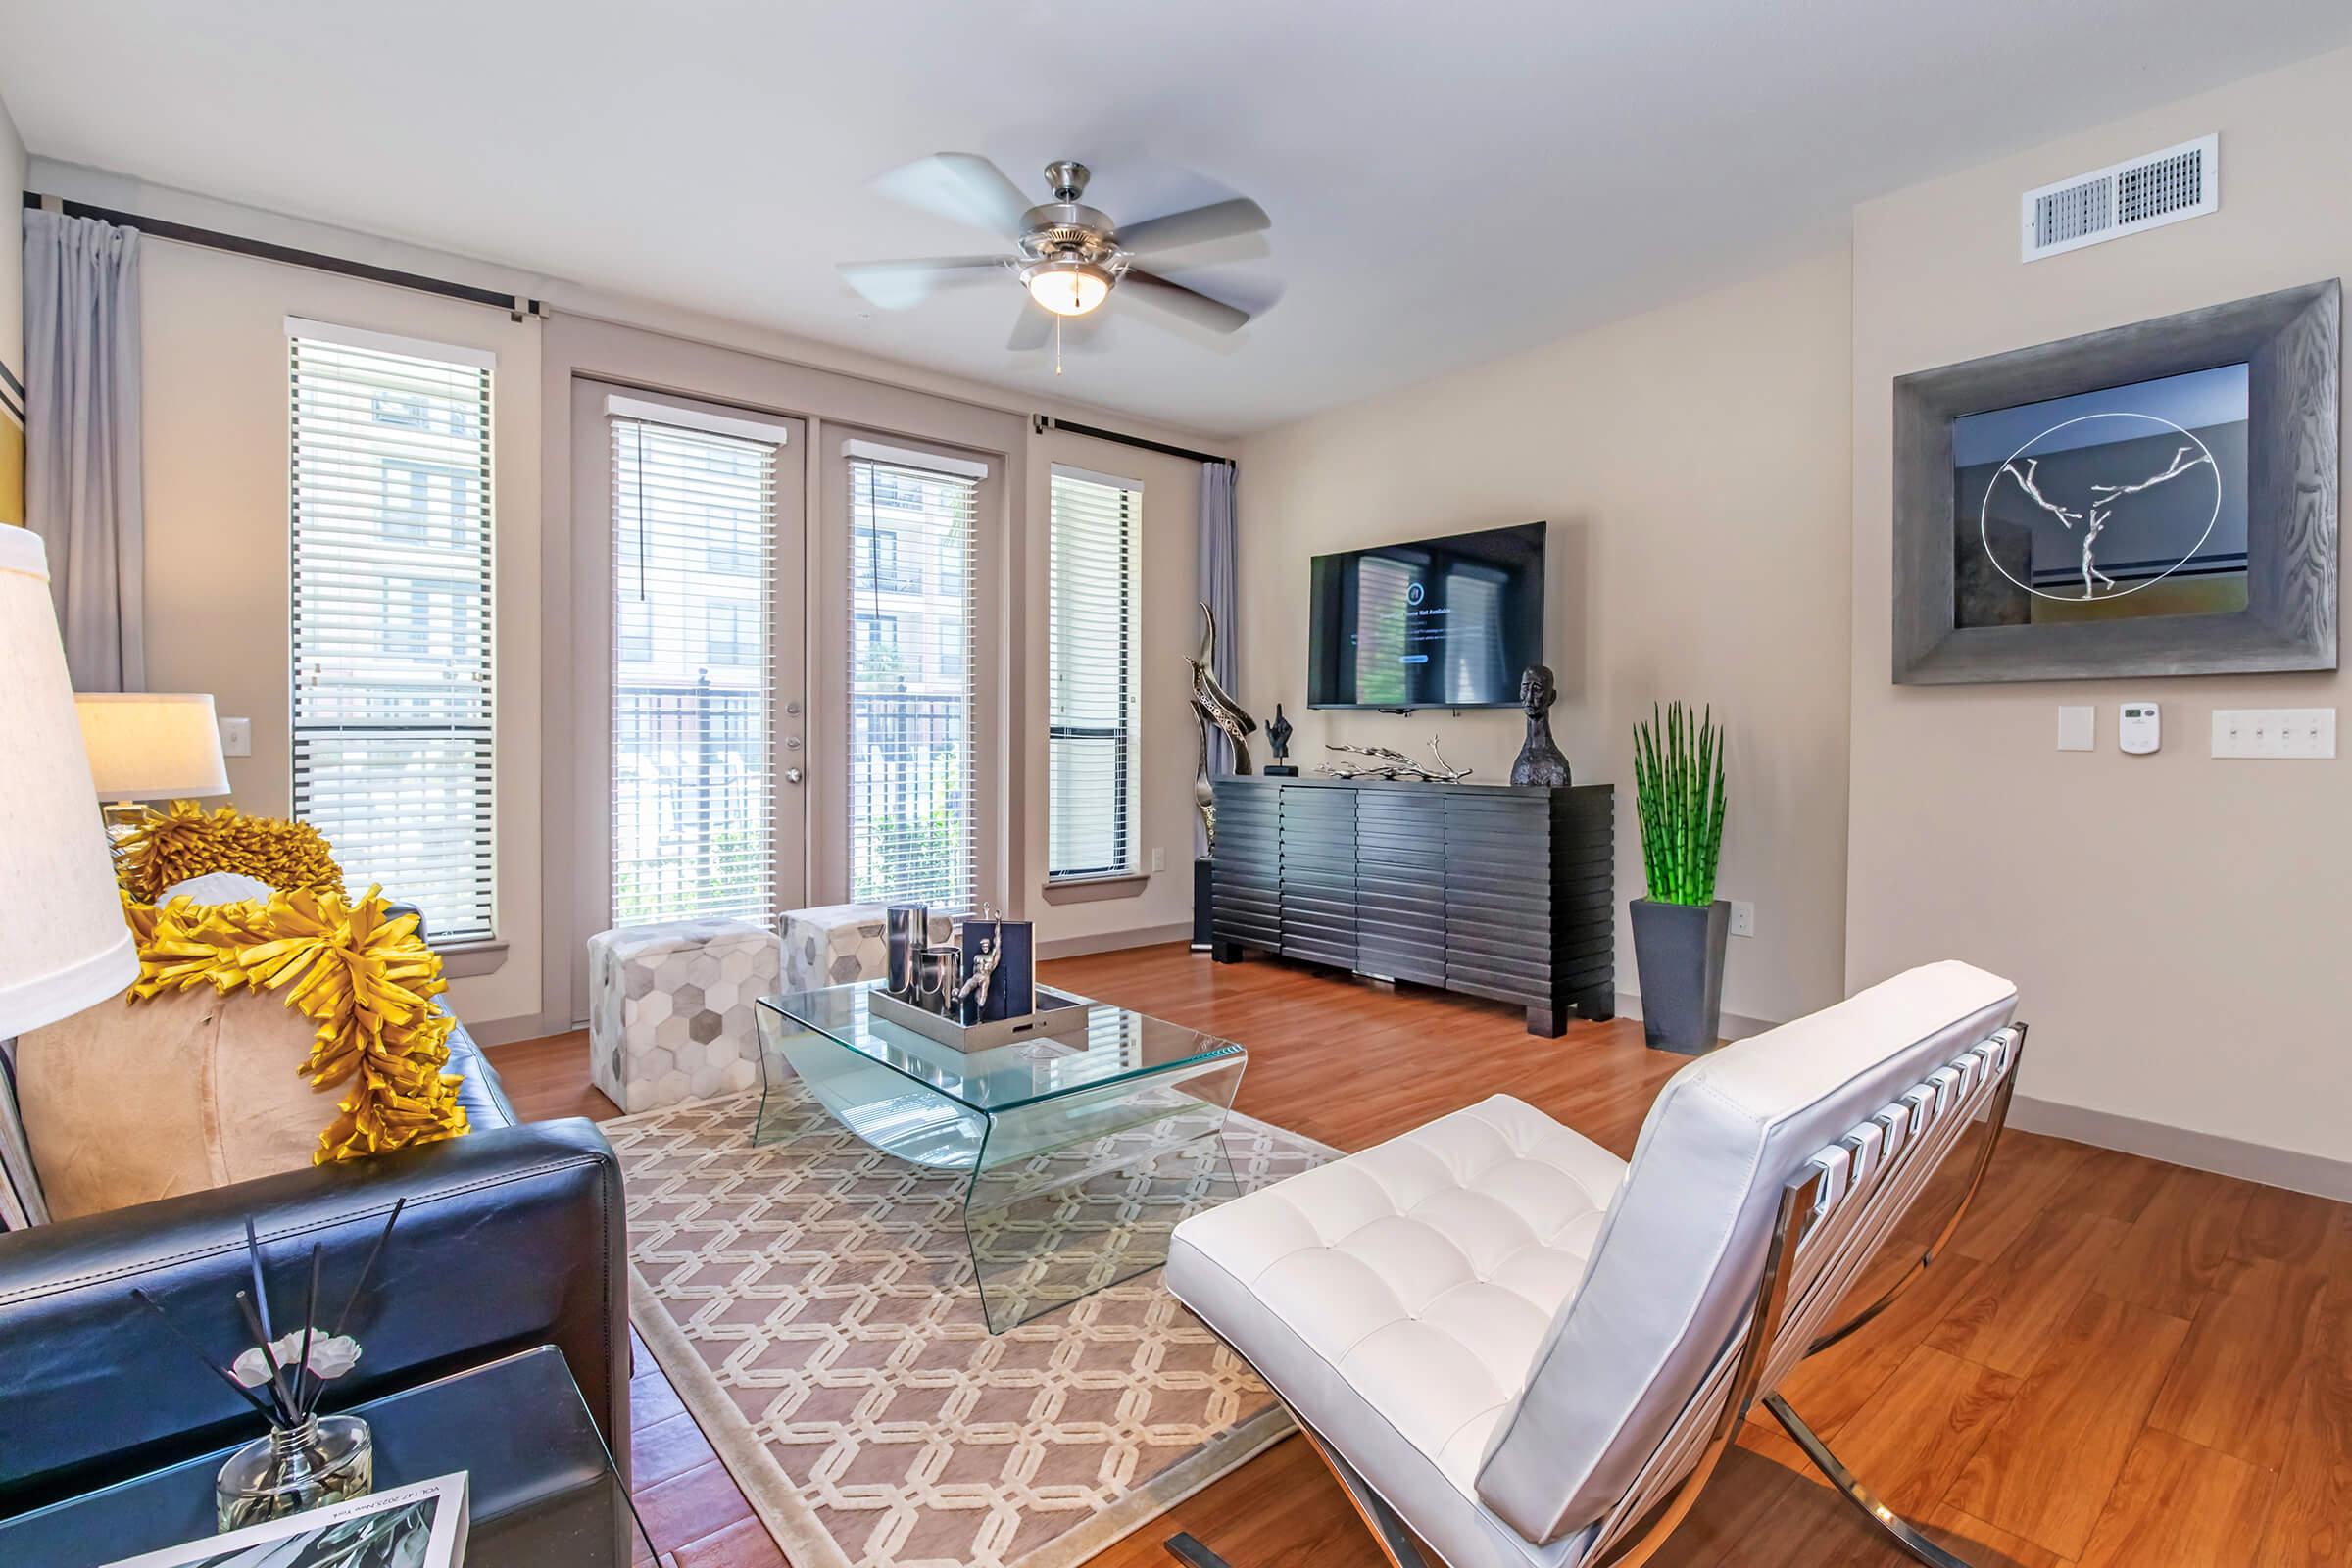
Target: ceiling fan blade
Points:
(1186, 304)
(1195, 226)
(1034, 329)
(963, 186)
(899, 285)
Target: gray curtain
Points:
(1217, 546)
(82, 440)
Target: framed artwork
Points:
(12, 446)
(2155, 500)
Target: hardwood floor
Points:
(2118, 1362)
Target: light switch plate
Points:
(1160, 859)
(2291, 734)
(2077, 729)
(1744, 918)
(236, 737)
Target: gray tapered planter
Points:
(1678, 950)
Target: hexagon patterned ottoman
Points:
(835, 943)
(669, 1010)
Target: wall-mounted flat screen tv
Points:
(1446, 622)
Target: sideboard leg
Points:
(1599, 1005)
(1226, 952)
(1546, 1022)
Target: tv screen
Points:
(1446, 622)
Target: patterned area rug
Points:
(811, 1300)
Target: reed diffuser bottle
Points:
(307, 1460)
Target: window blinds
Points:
(393, 734)
(912, 768)
(1091, 676)
(694, 538)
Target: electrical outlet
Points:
(1160, 859)
(1744, 918)
(236, 737)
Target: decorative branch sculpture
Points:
(1212, 704)
(2102, 507)
(1390, 765)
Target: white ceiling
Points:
(1448, 182)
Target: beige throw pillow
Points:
(126, 1102)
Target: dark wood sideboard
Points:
(1500, 891)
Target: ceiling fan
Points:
(1069, 257)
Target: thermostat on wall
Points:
(2139, 732)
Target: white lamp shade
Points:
(152, 745)
(63, 944)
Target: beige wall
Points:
(2175, 923)
(217, 620)
(1692, 462)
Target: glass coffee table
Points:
(1077, 1154)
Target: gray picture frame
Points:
(2291, 342)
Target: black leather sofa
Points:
(513, 1237)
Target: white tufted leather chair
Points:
(1532, 1353)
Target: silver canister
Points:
(906, 932)
(937, 977)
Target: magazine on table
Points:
(418, 1526)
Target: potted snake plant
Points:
(1680, 929)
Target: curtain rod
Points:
(1042, 423)
(516, 304)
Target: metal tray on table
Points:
(1059, 1014)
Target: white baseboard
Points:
(528, 1026)
(1150, 936)
(2317, 1174)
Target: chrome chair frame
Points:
(1800, 1285)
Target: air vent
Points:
(2183, 182)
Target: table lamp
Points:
(150, 746)
(64, 944)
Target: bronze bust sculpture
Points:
(1539, 761)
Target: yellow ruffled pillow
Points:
(185, 841)
(365, 977)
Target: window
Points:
(733, 633)
(1090, 687)
(912, 768)
(693, 807)
(875, 565)
(390, 514)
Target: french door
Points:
(691, 696)
(909, 733)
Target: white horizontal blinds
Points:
(912, 765)
(1091, 679)
(694, 538)
(393, 707)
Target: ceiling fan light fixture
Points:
(1067, 286)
